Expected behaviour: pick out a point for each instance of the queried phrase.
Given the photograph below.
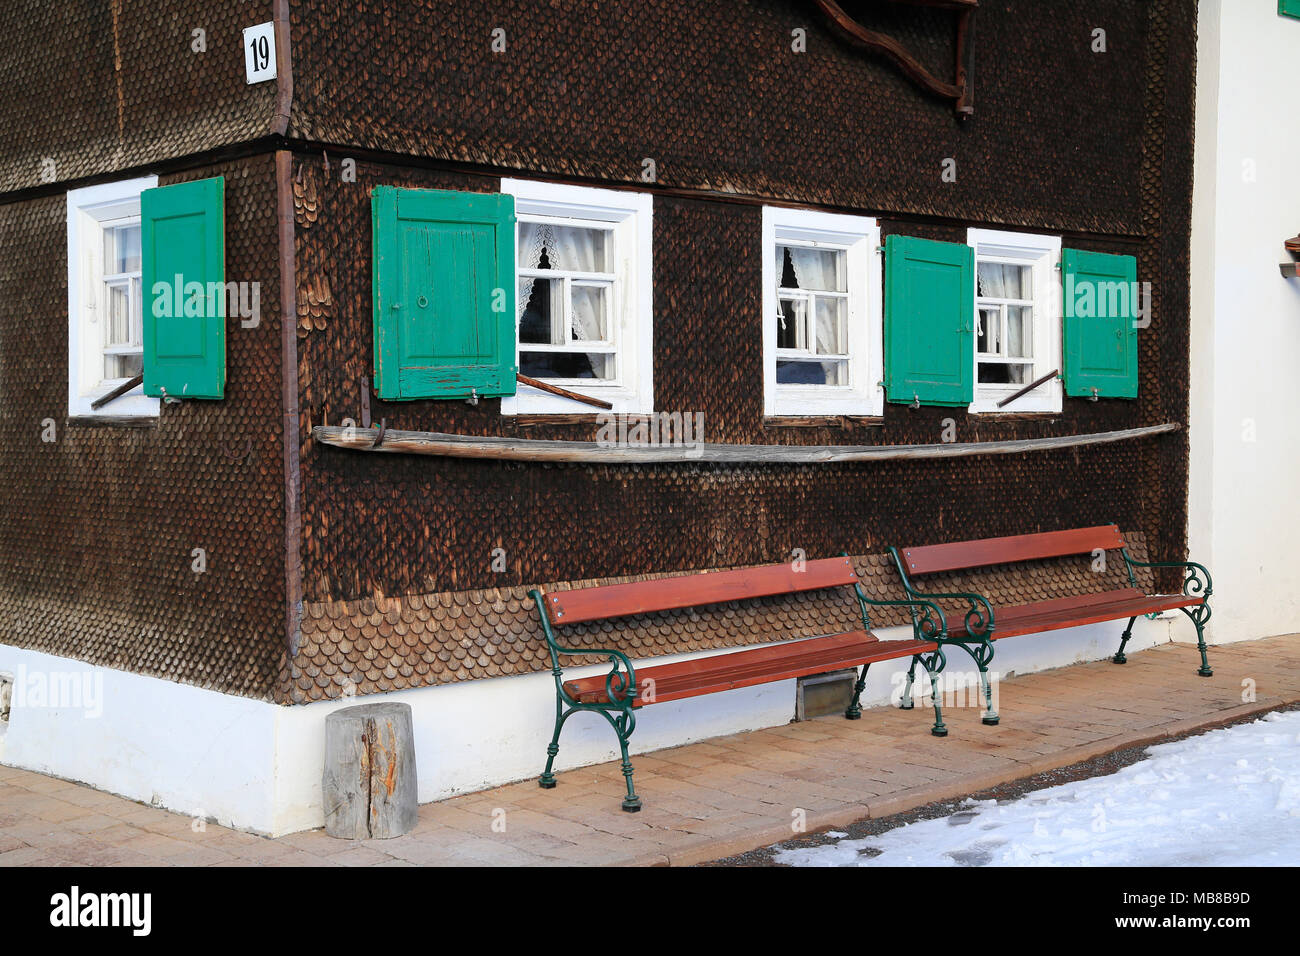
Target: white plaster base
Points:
(257, 766)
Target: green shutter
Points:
(929, 321)
(444, 293)
(183, 275)
(1100, 332)
(1289, 8)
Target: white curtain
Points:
(815, 270)
(570, 248)
(1001, 280)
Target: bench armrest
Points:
(930, 623)
(619, 684)
(979, 619)
(1196, 580)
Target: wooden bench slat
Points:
(694, 590)
(959, 555)
(1033, 618)
(761, 665)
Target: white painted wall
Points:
(1244, 517)
(193, 751)
(257, 766)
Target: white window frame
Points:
(632, 306)
(1043, 254)
(859, 238)
(89, 209)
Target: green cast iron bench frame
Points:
(617, 695)
(980, 630)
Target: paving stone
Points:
(701, 800)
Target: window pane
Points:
(137, 313)
(121, 249)
(590, 313)
(988, 333)
(537, 324)
(123, 366)
(566, 365)
(811, 373)
(818, 270)
(1000, 280)
(1002, 373)
(578, 249)
(830, 326)
(117, 330)
(1020, 331)
(789, 323)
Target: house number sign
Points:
(259, 52)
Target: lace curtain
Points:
(569, 248)
(815, 270)
(1002, 280)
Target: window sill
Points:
(534, 403)
(995, 417)
(530, 419)
(113, 421)
(823, 421)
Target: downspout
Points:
(288, 338)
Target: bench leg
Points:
(1199, 615)
(854, 710)
(547, 780)
(624, 724)
(906, 703)
(933, 666)
(1119, 657)
(990, 717)
(982, 655)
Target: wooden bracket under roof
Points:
(961, 91)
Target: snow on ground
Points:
(1228, 797)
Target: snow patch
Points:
(1228, 797)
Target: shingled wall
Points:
(585, 92)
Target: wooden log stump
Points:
(369, 781)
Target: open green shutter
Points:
(183, 273)
(929, 321)
(444, 293)
(1100, 332)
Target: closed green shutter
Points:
(1100, 330)
(444, 293)
(183, 275)
(929, 321)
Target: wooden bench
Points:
(620, 693)
(981, 628)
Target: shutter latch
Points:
(473, 397)
(916, 401)
(1093, 396)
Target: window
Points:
(1017, 319)
(105, 298)
(821, 314)
(583, 273)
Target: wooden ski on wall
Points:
(961, 91)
